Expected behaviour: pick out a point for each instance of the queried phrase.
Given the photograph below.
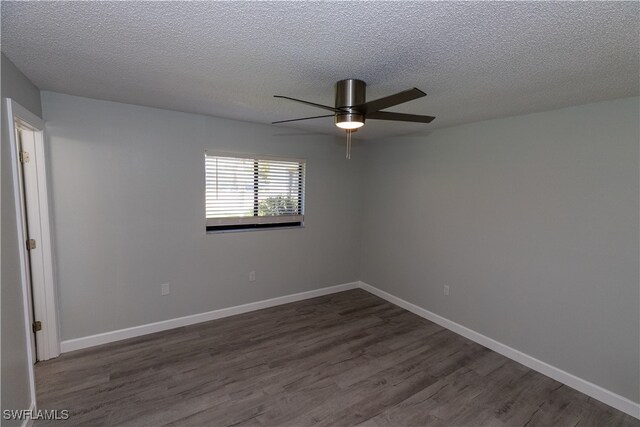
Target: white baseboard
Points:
(608, 397)
(149, 328)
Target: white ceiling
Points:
(476, 60)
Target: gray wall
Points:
(532, 221)
(128, 198)
(15, 376)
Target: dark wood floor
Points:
(344, 359)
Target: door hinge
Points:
(31, 244)
(36, 326)
(24, 157)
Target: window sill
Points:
(259, 227)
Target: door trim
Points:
(48, 340)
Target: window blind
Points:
(253, 192)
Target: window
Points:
(250, 192)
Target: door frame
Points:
(45, 306)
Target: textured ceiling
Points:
(476, 60)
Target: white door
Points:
(33, 232)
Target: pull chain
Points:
(349, 132)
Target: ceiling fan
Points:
(351, 109)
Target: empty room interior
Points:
(320, 213)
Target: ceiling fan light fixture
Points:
(351, 108)
(349, 121)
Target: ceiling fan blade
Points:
(401, 117)
(304, 118)
(313, 104)
(390, 101)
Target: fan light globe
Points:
(349, 121)
(350, 125)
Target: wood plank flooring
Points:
(344, 359)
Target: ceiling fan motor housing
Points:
(349, 93)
